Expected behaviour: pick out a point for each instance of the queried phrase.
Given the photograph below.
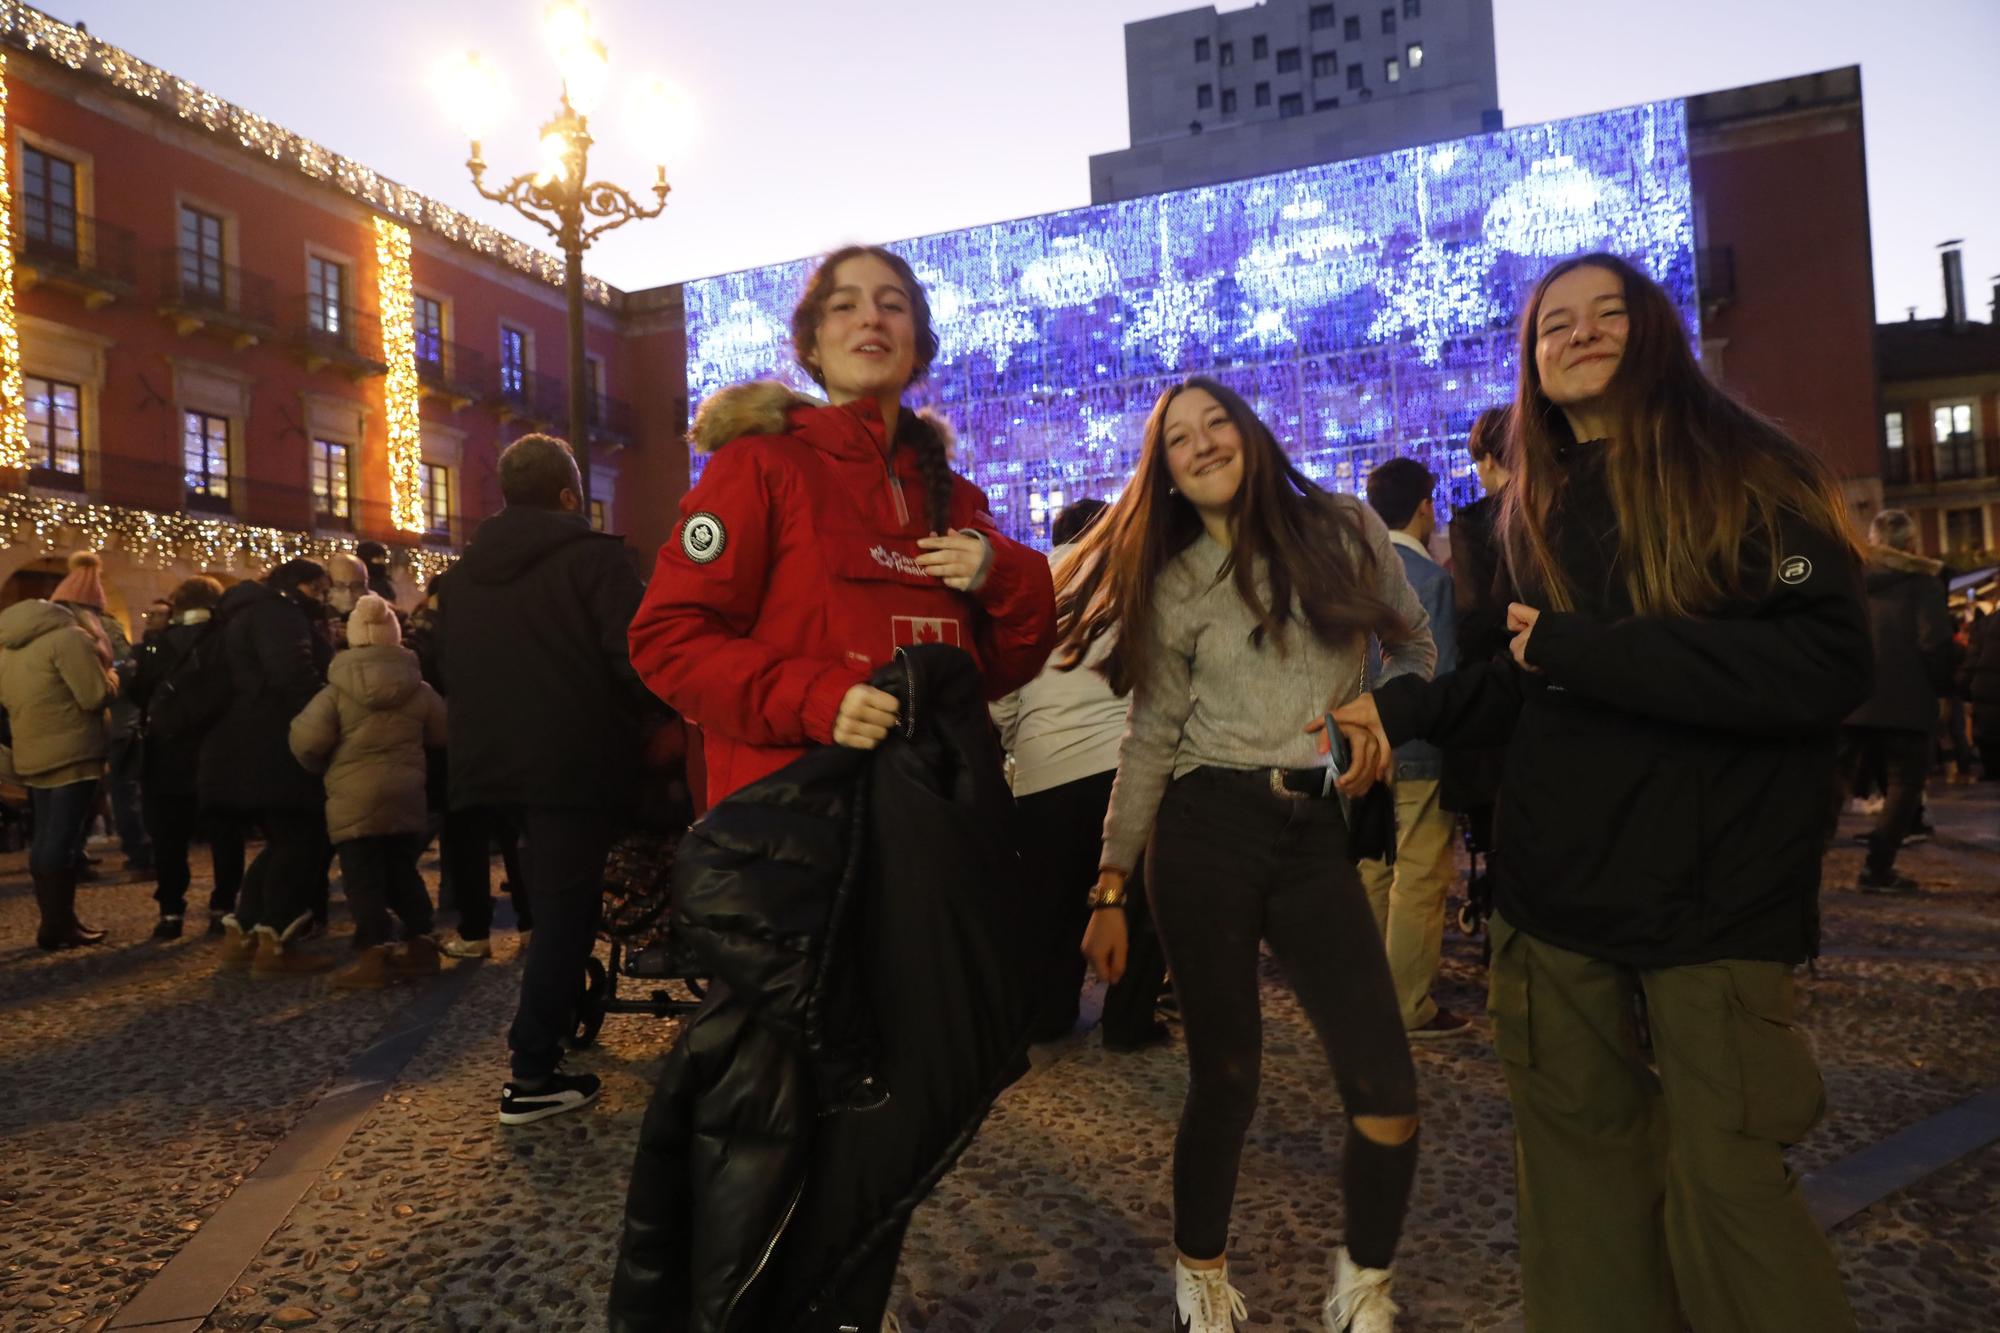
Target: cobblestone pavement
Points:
(138, 1087)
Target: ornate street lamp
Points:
(558, 195)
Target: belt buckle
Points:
(1278, 787)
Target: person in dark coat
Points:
(1909, 620)
(1979, 679)
(529, 640)
(275, 643)
(190, 643)
(870, 1003)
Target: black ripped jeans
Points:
(1233, 864)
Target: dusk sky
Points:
(816, 124)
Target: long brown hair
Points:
(913, 431)
(1699, 483)
(1310, 544)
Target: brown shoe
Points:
(419, 957)
(239, 946)
(276, 958)
(371, 971)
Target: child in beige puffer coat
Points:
(366, 732)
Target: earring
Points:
(1173, 490)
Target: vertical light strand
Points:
(399, 353)
(13, 404)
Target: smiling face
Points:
(1580, 331)
(1204, 451)
(866, 343)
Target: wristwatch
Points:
(1103, 895)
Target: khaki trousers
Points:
(1408, 898)
(1653, 1194)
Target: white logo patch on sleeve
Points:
(1795, 569)
(703, 537)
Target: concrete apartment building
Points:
(1217, 96)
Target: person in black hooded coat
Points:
(862, 917)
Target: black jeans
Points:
(122, 783)
(1233, 864)
(61, 814)
(288, 875)
(1905, 758)
(562, 854)
(465, 846)
(1060, 832)
(381, 876)
(173, 822)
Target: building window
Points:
(1291, 104)
(513, 361)
(1263, 95)
(1957, 447)
(205, 458)
(1326, 103)
(1288, 60)
(48, 203)
(1892, 430)
(1225, 54)
(1896, 465)
(332, 478)
(1388, 21)
(1201, 48)
(429, 321)
(201, 254)
(1413, 9)
(326, 295)
(55, 430)
(1416, 55)
(1319, 17)
(1325, 65)
(1260, 48)
(597, 519)
(1964, 531)
(1356, 78)
(1228, 101)
(434, 493)
(1204, 97)
(1351, 28)
(1392, 70)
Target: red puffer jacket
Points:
(792, 575)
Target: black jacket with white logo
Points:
(1666, 791)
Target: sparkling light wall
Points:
(13, 400)
(401, 394)
(1366, 308)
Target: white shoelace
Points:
(1211, 1289)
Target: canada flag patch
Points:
(908, 631)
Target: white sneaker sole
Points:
(530, 1116)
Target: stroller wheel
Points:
(591, 1004)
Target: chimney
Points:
(1995, 280)
(1954, 283)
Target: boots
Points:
(281, 957)
(370, 971)
(55, 895)
(1359, 1299)
(419, 957)
(1204, 1302)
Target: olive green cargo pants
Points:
(1650, 1195)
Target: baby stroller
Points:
(637, 922)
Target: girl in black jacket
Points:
(1688, 633)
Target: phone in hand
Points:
(1336, 746)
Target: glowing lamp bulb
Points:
(469, 87)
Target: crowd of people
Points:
(1235, 710)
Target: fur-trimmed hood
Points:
(1888, 558)
(764, 407)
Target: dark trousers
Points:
(173, 822)
(61, 815)
(127, 801)
(465, 847)
(1060, 833)
(288, 875)
(1905, 758)
(562, 855)
(381, 876)
(1233, 865)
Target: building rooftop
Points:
(1929, 349)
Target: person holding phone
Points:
(1243, 597)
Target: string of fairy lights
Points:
(400, 393)
(13, 404)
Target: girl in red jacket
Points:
(825, 535)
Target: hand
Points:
(866, 717)
(956, 558)
(1521, 624)
(1369, 754)
(1105, 941)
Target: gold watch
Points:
(1103, 895)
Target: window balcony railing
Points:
(526, 393)
(451, 370)
(333, 333)
(76, 252)
(610, 418)
(197, 295)
(1961, 458)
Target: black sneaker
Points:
(1886, 882)
(215, 926)
(168, 929)
(555, 1094)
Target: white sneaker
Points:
(463, 948)
(1204, 1300)
(1359, 1301)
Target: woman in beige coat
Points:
(366, 733)
(54, 686)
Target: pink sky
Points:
(817, 124)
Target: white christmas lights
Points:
(400, 392)
(13, 403)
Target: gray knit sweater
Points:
(1211, 697)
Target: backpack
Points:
(195, 693)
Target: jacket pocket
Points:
(1507, 994)
(1783, 1094)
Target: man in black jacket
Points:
(1910, 622)
(544, 723)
